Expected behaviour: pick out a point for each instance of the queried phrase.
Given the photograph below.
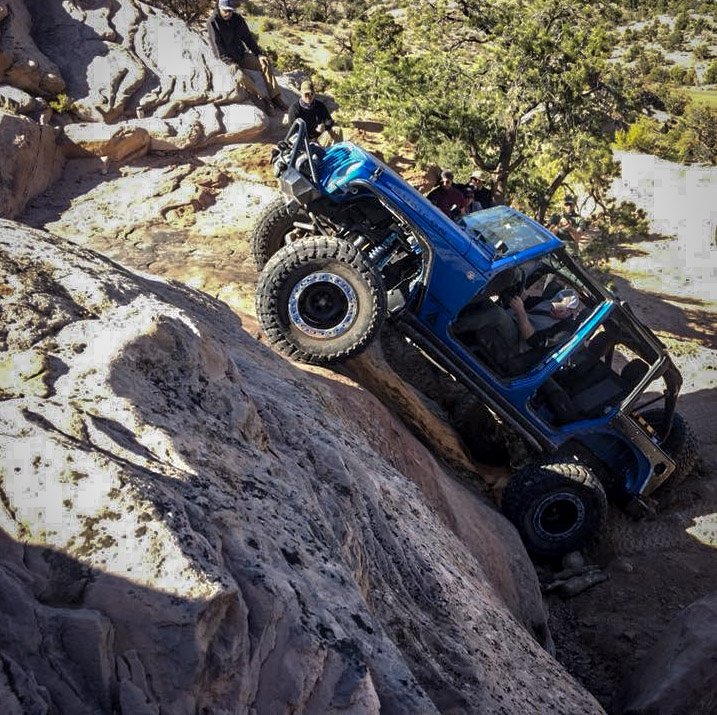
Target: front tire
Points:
(319, 300)
(271, 228)
(557, 508)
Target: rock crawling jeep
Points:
(350, 243)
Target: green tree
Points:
(529, 101)
(710, 76)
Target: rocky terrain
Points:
(108, 80)
(191, 524)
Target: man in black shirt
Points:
(233, 43)
(481, 192)
(315, 114)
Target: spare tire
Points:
(270, 230)
(681, 443)
(557, 507)
(319, 300)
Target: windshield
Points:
(501, 223)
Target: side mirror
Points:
(501, 248)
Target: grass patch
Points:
(703, 96)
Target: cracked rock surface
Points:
(192, 524)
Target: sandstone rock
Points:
(31, 161)
(22, 63)
(118, 142)
(679, 674)
(195, 525)
(129, 56)
(20, 101)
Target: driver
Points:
(547, 322)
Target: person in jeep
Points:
(543, 321)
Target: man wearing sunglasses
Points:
(319, 123)
(233, 43)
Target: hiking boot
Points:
(266, 107)
(279, 103)
(263, 104)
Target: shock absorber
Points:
(381, 253)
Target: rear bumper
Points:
(657, 463)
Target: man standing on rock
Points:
(319, 123)
(233, 43)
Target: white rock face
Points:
(192, 524)
(134, 80)
(121, 57)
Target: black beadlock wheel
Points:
(270, 230)
(681, 443)
(557, 508)
(319, 300)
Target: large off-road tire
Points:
(319, 300)
(557, 508)
(681, 443)
(269, 233)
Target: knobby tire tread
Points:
(270, 228)
(300, 253)
(535, 481)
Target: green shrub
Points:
(341, 63)
(267, 25)
(250, 8)
(710, 76)
(701, 51)
(62, 104)
(643, 136)
(291, 61)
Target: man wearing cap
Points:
(481, 193)
(233, 43)
(447, 197)
(567, 226)
(319, 123)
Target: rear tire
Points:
(270, 230)
(681, 443)
(557, 508)
(319, 300)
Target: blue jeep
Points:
(350, 243)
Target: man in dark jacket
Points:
(233, 43)
(317, 117)
(447, 197)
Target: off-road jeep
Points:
(350, 243)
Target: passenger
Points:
(481, 192)
(447, 197)
(233, 43)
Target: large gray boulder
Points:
(127, 79)
(192, 524)
(22, 63)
